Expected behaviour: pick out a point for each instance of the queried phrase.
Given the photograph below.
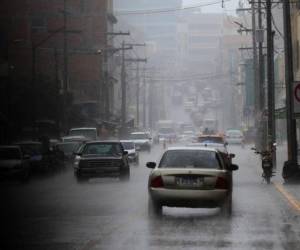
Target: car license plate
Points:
(189, 181)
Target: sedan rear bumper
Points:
(189, 198)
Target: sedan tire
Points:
(226, 208)
(25, 176)
(79, 178)
(154, 208)
(125, 176)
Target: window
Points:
(106, 149)
(190, 159)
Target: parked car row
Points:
(23, 158)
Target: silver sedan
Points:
(195, 177)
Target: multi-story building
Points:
(38, 38)
(158, 26)
(201, 33)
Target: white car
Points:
(234, 136)
(133, 154)
(196, 177)
(142, 140)
(88, 132)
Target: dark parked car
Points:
(101, 159)
(13, 163)
(41, 158)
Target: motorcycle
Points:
(266, 163)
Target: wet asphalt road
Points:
(56, 213)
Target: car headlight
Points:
(77, 160)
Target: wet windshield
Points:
(105, 149)
(139, 136)
(128, 145)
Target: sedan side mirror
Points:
(151, 165)
(233, 167)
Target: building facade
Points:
(54, 49)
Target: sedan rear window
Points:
(190, 159)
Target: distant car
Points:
(188, 105)
(89, 132)
(142, 140)
(13, 163)
(101, 159)
(190, 177)
(41, 159)
(74, 138)
(167, 134)
(234, 136)
(133, 154)
(187, 136)
(213, 138)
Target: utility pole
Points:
(57, 87)
(261, 78)
(137, 80)
(123, 87)
(137, 94)
(137, 60)
(66, 70)
(144, 97)
(292, 161)
(256, 86)
(270, 77)
(106, 90)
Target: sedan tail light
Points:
(157, 182)
(221, 183)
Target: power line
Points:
(199, 77)
(155, 11)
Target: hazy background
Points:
(230, 6)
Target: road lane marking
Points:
(290, 198)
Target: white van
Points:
(89, 133)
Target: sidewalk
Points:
(281, 157)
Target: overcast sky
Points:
(230, 5)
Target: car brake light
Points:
(157, 182)
(221, 183)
